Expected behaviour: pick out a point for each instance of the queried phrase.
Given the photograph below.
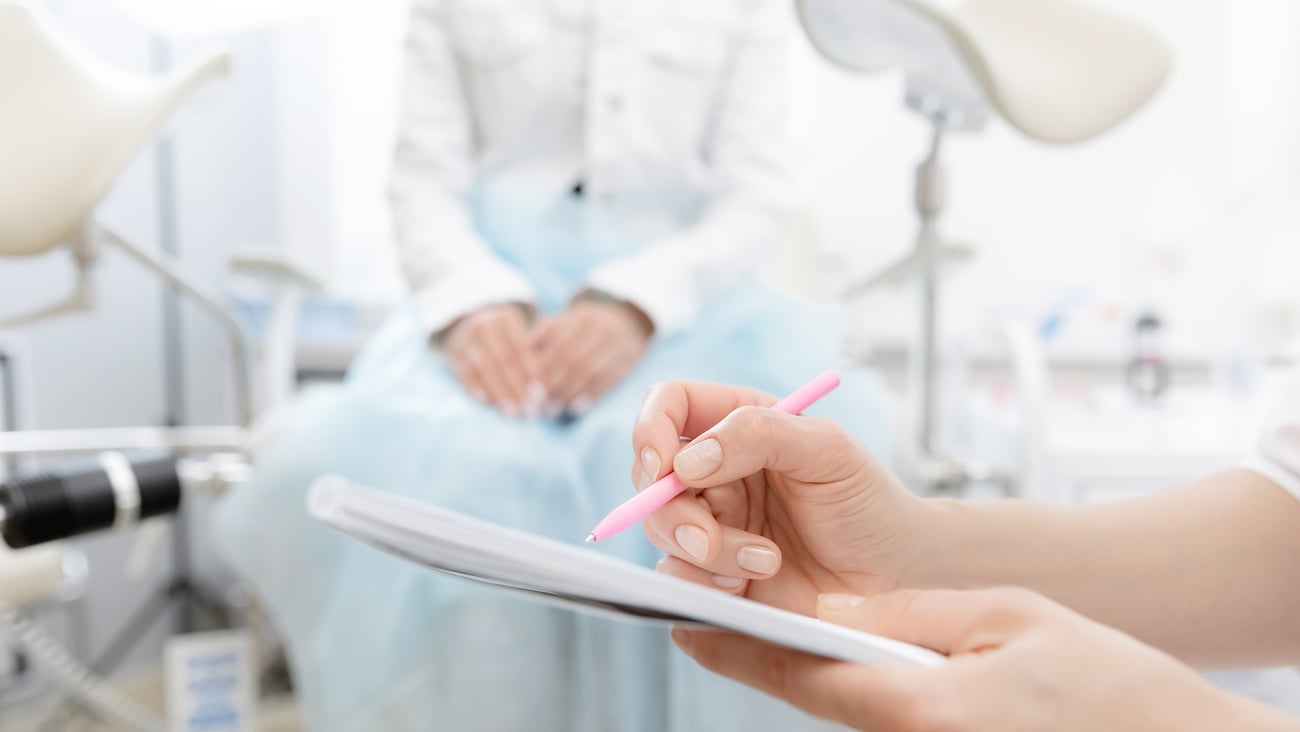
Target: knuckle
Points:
(644, 425)
(651, 394)
(827, 430)
(1011, 605)
(654, 411)
(751, 422)
(842, 452)
(658, 393)
(900, 602)
(1016, 598)
(752, 425)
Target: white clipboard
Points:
(577, 578)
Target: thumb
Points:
(947, 621)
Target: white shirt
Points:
(671, 113)
(1278, 455)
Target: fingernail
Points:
(659, 565)
(641, 481)
(832, 601)
(699, 459)
(581, 405)
(693, 541)
(757, 559)
(727, 583)
(650, 462)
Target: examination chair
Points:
(70, 125)
(1057, 71)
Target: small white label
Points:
(210, 682)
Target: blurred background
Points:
(1186, 217)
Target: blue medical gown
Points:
(376, 643)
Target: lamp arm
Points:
(171, 272)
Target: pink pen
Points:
(669, 487)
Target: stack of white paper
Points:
(576, 577)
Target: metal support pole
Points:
(9, 417)
(929, 201)
(943, 473)
(171, 273)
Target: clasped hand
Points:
(545, 367)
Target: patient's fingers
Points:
(488, 351)
(522, 361)
(498, 392)
(503, 363)
(470, 379)
(608, 366)
(559, 341)
(577, 366)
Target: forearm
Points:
(1202, 707)
(1249, 715)
(1205, 571)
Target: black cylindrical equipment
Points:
(44, 507)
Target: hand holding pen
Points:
(792, 500)
(693, 457)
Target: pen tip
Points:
(591, 539)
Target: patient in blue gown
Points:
(584, 194)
